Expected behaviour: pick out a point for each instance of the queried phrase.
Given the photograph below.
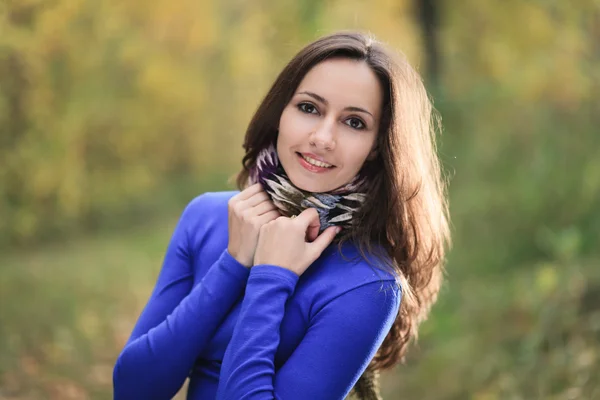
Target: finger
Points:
(314, 226)
(323, 240)
(268, 217)
(308, 217)
(255, 200)
(312, 233)
(263, 207)
(250, 191)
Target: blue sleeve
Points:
(342, 339)
(178, 319)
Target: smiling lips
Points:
(313, 164)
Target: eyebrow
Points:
(324, 101)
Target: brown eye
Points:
(355, 123)
(307, 108)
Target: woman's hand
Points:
(248, 211)
(283, 241)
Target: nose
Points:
(323, 137)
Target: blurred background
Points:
(115, 114)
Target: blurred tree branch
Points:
(428, 16)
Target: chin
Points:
(312, 185)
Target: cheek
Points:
(284, 126)
(286, 133)
(293, 124)
(358, 152)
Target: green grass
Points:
(529, 334)
(67, 310)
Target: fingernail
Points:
(337, 230)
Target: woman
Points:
(291, 288)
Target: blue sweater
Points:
(258, 333)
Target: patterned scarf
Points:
(335, 208)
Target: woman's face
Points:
(329, 127)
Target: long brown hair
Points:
(406, 212)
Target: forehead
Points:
(344, 82)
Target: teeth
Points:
(316, 162)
